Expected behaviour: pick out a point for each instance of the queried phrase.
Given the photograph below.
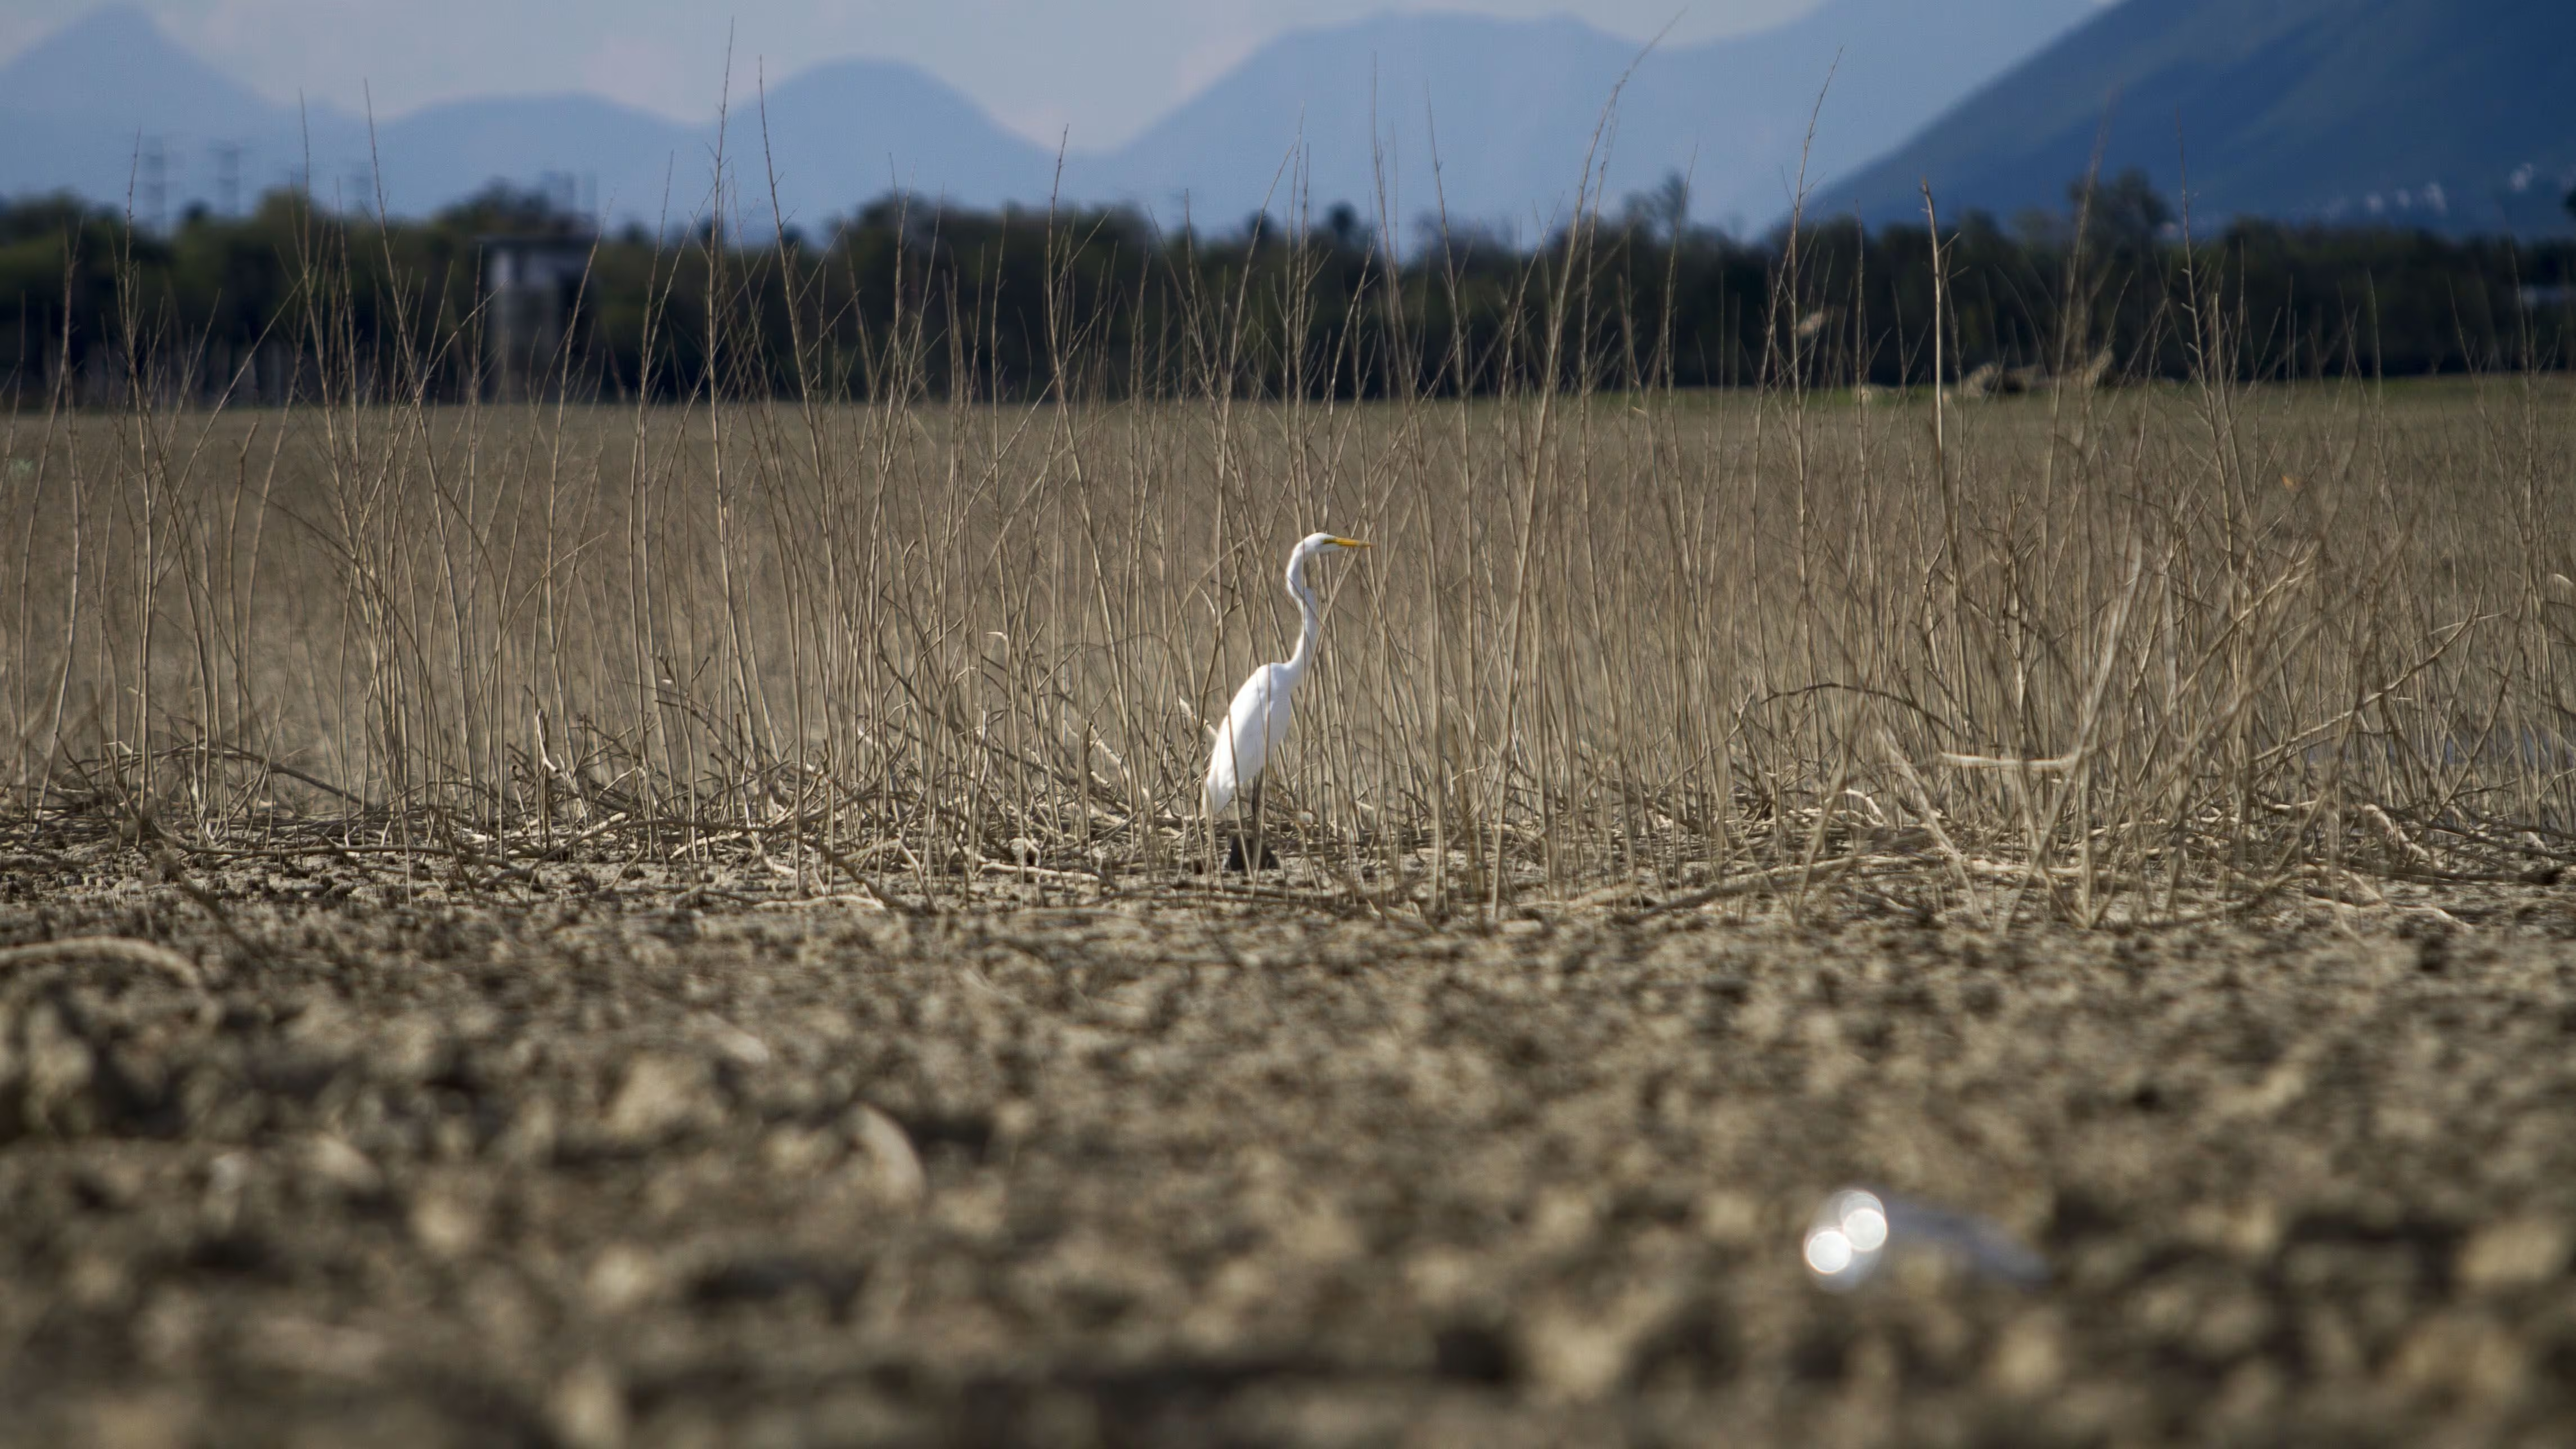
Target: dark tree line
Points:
(906, 296)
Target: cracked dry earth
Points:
(617, 1162)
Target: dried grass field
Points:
(684, 925)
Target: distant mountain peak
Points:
(1491, 118)
(117, 60)
(108, 25)
(1514, 105)
(2418, 113)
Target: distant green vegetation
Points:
(985, 304)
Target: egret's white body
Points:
(1258, 719)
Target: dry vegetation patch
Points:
(2087, 657)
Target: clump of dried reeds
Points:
(2093, 654)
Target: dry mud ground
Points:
(618, 1161)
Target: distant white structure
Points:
(530, 284)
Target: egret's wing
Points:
(1234, 747)
(1241, 749)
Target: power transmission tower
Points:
(153, 186)
(228, 156)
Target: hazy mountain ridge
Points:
(1513, 106)
(2450, 114)
(82, 111)
(89, 108)
(2438, 112)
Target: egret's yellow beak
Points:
(1350, 543)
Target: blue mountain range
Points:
(1509, 111)
(2448, 114)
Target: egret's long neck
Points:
(1312, 617)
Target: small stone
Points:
(96, 1280)
(169, 1330)
(2250, 1394)
(660, 1095)
(2030, 1358)
(2516, 1253)
(530, 1137)
(2231, 1324)
(342, 1168)
(452, 1139)
(227, 1177)
(587, 1409)
(1442, 1278)
(1730, 1217)
(1575, 1354)
(1563, 1218)
(2455, 1354)
(58, 1064)
(113, 1183)
(312, 1347)
(620, 1278)
(794, 1152)
(1574, 1357)
(410, 1049)
(1013, 1122)
(894, 1168)
(446, 1224)
(741, 1047)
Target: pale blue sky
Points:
(1104, 70)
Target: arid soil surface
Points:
(595, 1158)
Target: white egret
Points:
(1258, 719)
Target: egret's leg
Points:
(1252, 851)
(1243, 839)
